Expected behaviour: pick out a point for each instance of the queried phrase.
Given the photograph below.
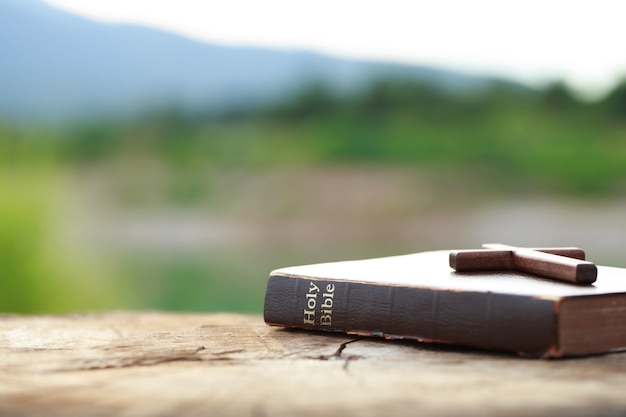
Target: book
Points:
(420, 297)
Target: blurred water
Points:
(218, 258)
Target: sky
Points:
(534, 41)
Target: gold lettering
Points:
(313, 287)
(325, 306)
(309, 317)
(329, 295)
(311, 302)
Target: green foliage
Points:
(190, 282)
(615, 102)
(515, 139)
(535, 139)
(35, 266)
(22, 249)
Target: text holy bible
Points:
(421, 297)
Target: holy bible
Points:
(420, 297)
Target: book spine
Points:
(523, 324)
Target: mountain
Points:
(56, 65)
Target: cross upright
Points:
(564, 264)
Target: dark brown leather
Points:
(420, 297)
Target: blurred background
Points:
(169, 155)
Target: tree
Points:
(615, 101)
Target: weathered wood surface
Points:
(162, 364)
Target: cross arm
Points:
(565, 264)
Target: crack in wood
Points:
(338, 354)
(229, 371)
(156, 358)
(227, 352)
(129, 362)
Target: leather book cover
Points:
(419, 297)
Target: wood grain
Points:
(163, 364)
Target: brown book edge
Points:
(578, 324)
(522, 324)
(592, 324)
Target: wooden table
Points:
(164, 364)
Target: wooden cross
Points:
(564, 264)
